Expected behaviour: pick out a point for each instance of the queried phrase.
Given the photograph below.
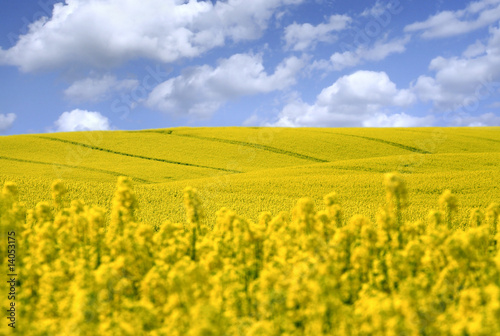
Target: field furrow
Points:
(136, 156)
(60, 165)
(395, 144)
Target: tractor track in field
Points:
(453, 134)
(394, 144)
(135, 155)
(243, 143)
(478, 138)
(74, 167)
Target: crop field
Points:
(255, 231)
(257, 169)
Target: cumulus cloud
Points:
(398, 120)
(359, 99)
(98, 89)
(200, 91)
(379, 51)
(300, 37)
(6, 121)
(450, 23)
(486, 119)
(108, 32)
(462, 82)
(253, 120)
(377, 9)
(81, 120)
(474, 50)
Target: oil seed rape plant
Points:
(307, 272)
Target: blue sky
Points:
(114, 64)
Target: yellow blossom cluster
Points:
(304, 272)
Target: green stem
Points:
(193, 245)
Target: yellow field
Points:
(378, 257)
(258, 169)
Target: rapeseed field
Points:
(207, 231)
(258, 169)
(303, 272)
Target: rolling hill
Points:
(258, 169)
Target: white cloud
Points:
(98, 89)
(304, 36)
(494, 105)
(462, 82)
(6, 121)
(253, 120)
(487, 119)
(398, 120)
(108, 32)
(474, 50)
(450, 23)
(81, 120)
(352, 100)
(200, 91)
(378, 9)
(379, 51)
